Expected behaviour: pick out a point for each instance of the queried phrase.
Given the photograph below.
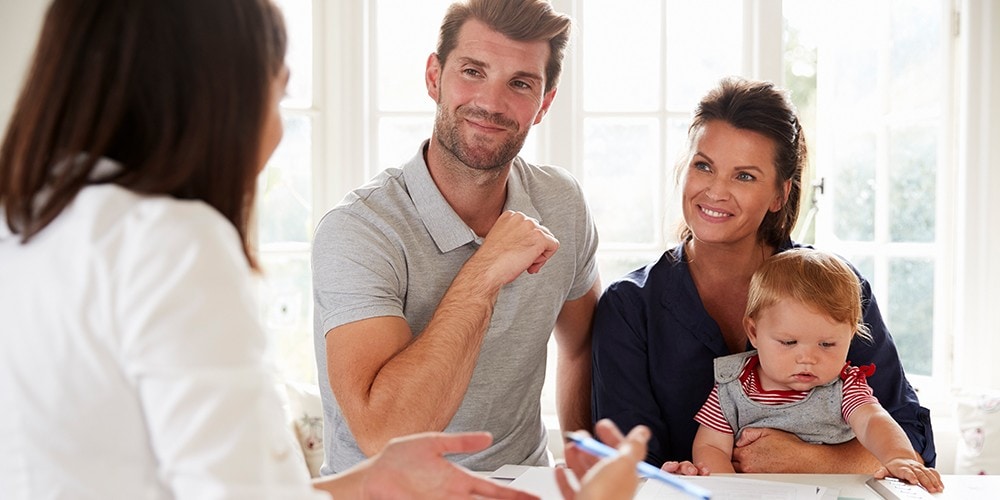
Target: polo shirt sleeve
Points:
(355, 270)
(586, 257)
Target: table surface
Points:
(853, 487)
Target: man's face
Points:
(489, 93)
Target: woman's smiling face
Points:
(730, 183)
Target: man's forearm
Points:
(845, 458)
(421, 387)
(761, 450)
(417, 383)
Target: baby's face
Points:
(799, 347)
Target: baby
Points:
(803, 310)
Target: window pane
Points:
(622, 166)
(676, 143)
(852, 187)
(704, 44)
(913, 166)
(406, 33)
(882, 94)
(910, 312)
(613, 266)
(866, 266)
(916, 55)
(298, 21)
(285, 187)
(530, 150)
(671, 194)
(615, 78)
(849, 59)
(399, 139)
(286, 301)
(799, 40)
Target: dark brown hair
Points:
(522, 20)
(174, 91)
(763, 108)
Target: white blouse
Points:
(132, 363)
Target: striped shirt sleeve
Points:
(710, 415)
(857, 392)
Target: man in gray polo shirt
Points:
(438, 284)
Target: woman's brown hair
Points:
(763, 108)
(174, 91)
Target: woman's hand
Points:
(609, 478)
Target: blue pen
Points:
(599, 449)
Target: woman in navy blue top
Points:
(658, 329)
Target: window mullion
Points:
(342, 145)
(762, 48)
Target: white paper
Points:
(509, 472)
(541, 481)
(734, 488)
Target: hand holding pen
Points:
(611, 478)
(583, 442)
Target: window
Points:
(872, 98)
(285, 214)
(880, 146)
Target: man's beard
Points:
(477, 153)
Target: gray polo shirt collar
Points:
(447, 229)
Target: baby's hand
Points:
(913, 472)
(684, 468)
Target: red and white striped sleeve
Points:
(710, 415)
(857, 392)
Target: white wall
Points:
(20, 21)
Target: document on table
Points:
(735, 488)
(541, 481)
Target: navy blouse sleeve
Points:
(621, 389)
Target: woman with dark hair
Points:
(658, 329)
(132, 364)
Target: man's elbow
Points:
(369, 438)
(370, 432)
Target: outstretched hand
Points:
(414, 467)
(610, 478)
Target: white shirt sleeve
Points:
(193, 346)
